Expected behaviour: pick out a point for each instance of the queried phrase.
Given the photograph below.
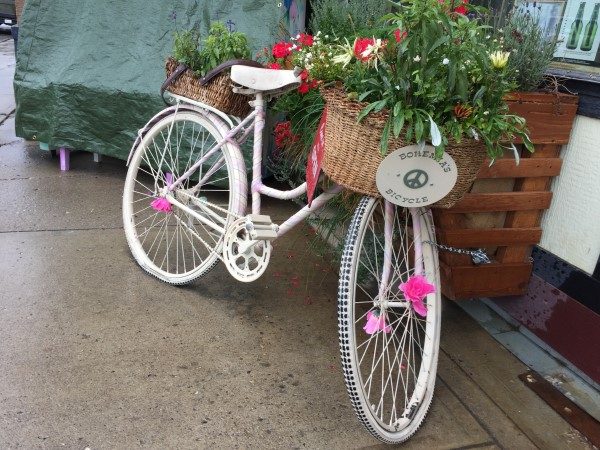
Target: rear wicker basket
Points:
(352, 155)
(217, 93)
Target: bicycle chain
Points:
(478, 256)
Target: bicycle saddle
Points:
(264, 80)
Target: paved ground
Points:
(94, 353)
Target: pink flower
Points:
(282, 49)
(415, 290)
(400, 35)
(161, 204)
(376, 322)
(274, 66)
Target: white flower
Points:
(499, 59)
(294, 47)
(417, 58)
(445, 61)
(397, 87)
(485, 113)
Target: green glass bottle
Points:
(576, 27)
(590, 31)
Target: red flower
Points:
(274, 66)
(282, 49)
(400, 35)
(462, 111)
(304, 75)
(462, 9)
(305, 39)
(304, 88)
(360, 45)
(284, 136)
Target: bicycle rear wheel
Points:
(390, 373)
(180, 238)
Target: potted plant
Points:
(548, 112)
(192, 59)
(428, 73)
(508, 228)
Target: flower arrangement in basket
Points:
(192, 60)
(431, 72)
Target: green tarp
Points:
(89, 71)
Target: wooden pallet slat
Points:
(502, 201)
(490, 237)
(488, 280)
(528, 167)
(516, 214)
(517, 219)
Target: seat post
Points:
(259, 125)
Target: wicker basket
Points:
(217, 93)
(352, 155)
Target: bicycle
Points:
(184, 209)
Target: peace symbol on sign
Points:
(416, 178)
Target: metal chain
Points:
(478, 256)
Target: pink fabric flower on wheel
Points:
(415, 290)
(376, 322)
(161, 204)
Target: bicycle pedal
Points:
(261, 228)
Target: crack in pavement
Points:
(8, 116)
(10, 142)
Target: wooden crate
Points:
(506, 222)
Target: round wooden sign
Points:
(411, 176)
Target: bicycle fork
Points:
(388, 253)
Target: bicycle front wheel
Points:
(177, 234)
(389, 368)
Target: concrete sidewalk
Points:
(94, 353)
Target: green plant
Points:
(531, 50)
(185, 48)
(440, 75)
(344, 18)
(219, 45)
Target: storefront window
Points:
(573, 23)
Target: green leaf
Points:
(398, 122)
(438, 42)
(364, 95)
(451, 76)
(479, 94)
(419, 128)
(368, 109)
(385, 137)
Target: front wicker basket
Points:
(352, 155)
(217, 93)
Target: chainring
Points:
(245, 262)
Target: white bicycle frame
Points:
(256, 121)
